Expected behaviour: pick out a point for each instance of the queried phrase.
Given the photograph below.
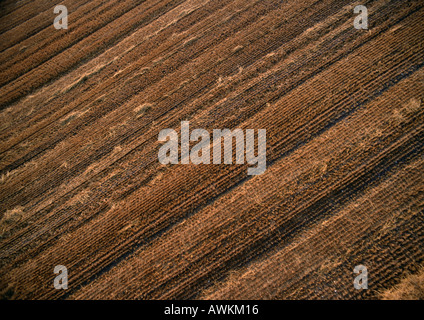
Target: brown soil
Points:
(80, 181)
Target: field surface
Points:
(80, 181)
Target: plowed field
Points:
(80, 181)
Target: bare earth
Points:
(81, 184)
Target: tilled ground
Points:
(81, 184)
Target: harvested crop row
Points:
(81, 184)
